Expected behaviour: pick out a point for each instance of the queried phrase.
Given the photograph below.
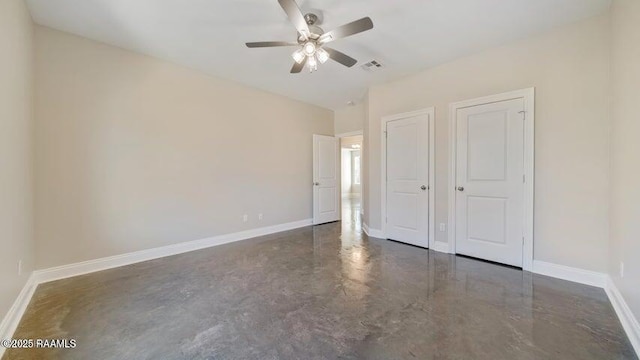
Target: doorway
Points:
(351, 180)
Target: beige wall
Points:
(135, 153)
(349, 119)
(625, 151)
(569, 68)
(16, 185)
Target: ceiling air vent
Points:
(372, 65)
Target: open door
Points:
(326, 180)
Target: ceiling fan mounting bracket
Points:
(311, 18)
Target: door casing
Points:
(430, 113)
(528, 95)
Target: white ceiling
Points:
(209, 35)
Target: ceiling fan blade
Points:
(340, 57)
(261, 44)
(298, 67)
(295, 16)
(349, 29)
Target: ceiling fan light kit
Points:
(313, 55)
(298, 56)
(322, 55)
(312, 39)
(312, 63)
(309, 48)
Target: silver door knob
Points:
(316, 183)
(460, 188)
(423, 187)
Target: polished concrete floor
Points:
(324, 292)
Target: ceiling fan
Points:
(312, 39)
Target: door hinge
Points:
(386, 134)
(524, 179)
(524, 114)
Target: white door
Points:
(407, 167)
(490, 181)
(326, 181)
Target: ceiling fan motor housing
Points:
(311, 18)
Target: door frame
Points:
(528, 95)
(431, 186)
(350, 133)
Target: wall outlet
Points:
(443, 227)
(19, 267)
(621, 269)
(245, 218)
(260, 216)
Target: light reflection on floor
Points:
(351, 214)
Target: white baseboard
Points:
(437, 245)
(85, 267)
(628, 320)
(586, 277)
(372, 232)
(11, 321)
(440, 247)
(377, 234)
